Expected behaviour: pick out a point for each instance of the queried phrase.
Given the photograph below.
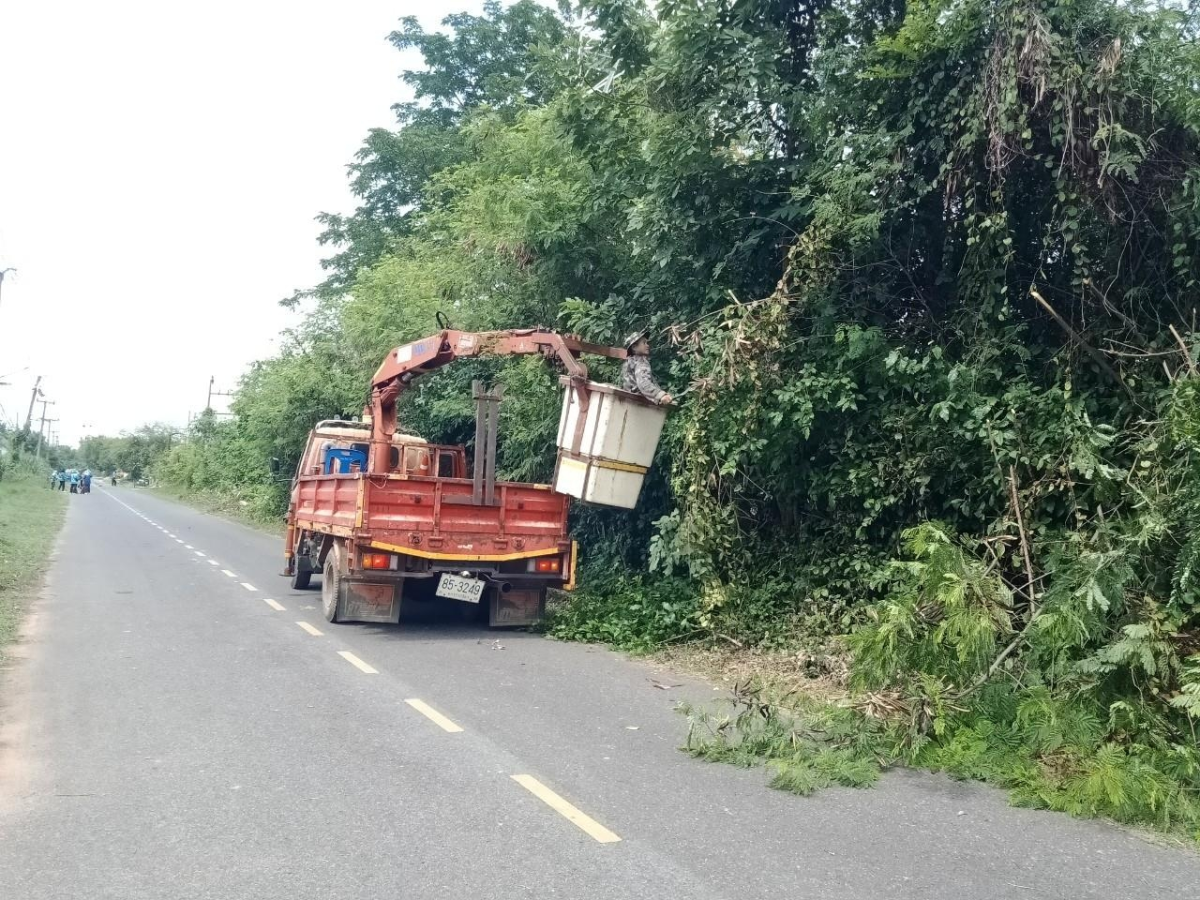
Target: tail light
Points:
(377, 560)
(546, 565)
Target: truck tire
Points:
(302, 564)
(331, 583)
(300, 579)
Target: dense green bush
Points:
(631, 612)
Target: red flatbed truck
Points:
(387, 519)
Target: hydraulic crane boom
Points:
(406, 362)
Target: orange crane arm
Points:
(408, 361)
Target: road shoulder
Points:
(29, 543)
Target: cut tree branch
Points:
(1096, 355)
(1016, 502)
(1187, 354)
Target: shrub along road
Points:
(195, 729)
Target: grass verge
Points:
(223, 505)
(30, 517)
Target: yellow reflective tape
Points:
(570, 585)
(472, 557)
(611, 464)
(619, 466)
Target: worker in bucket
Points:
(636, 376)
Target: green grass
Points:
(30, 516)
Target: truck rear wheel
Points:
(301, 574)
(331, 583)
(302, 563)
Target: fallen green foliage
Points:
(1071, 711)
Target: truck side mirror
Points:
(275, 466)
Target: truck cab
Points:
(338, 447)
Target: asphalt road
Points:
(175, 731)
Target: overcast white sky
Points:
(160, 168)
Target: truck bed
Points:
(434, 517)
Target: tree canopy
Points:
(929, 270)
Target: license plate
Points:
(455, 587)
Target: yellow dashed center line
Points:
(581, 820)
(248, 586)
(357, 663)
(314, 632)
(433, 715)
(273, 604)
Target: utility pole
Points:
(52, 438)
(212, 393)
(4, 272)
(32, 400)
(42, 427)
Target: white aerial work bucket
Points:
(607, 438)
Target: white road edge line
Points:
(357, 663)
(571, 813)
(433, 715)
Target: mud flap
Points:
(517, 607)
(369, 602)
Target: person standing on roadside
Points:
(87, 481)
(74, 478)
(62, 479)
